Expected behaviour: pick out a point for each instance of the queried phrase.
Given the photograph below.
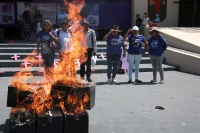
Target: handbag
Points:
(93, 60)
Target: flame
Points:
(63, 74)
(75, 104)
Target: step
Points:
(6, 71)
(17, 63)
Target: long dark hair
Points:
(39, 14)
(50, 26)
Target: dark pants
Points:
(48, 60)
(113, 62)
(27, 31)
(87, 63)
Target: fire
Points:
(63, 74)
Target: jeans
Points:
(112, 62)
(87, 63)
(48, 60)
(132, 58)
(156, 62)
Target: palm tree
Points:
(194, 12)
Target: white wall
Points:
(171, 20)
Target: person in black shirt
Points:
(138, 22)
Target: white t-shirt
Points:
(145, 21)
(61, 16)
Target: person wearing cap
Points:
(114, 49)
(157, 46)
(135, 51)
(91, 50)
(63, 15)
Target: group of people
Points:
(62, 36)
(156, 45)
(37, 21)
(143, 23)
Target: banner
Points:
(7, 13)
(93, 17)
(47, 10)
(90, 10)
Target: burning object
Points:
(50, 121)
(22, 120)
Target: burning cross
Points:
(15, 56)
(26, 64)
(39, 57)
(55, 63)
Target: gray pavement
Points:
(130, 108)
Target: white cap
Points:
(135, 28)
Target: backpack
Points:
(53, 44)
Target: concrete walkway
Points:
(130, 108)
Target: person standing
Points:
(91, 50)
(138, 22)
(114, 49)
(27, 24)
(48, 54)
(37, 21)
(63, 15)
(135, 51)
(145, 23)
(157, 46)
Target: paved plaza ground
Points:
(130, 108)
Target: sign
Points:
(7, 13)
(157, 10)
(93, 17)
(47, 10)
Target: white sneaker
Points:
(109, 81)
(114, 81)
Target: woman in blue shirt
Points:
(48, 54)
(135, 51)
(114, 50)
(157, 46)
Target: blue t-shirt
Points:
(135, 44)
(45, 43)
(114, 44)
(157, 45)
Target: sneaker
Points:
(130, 81)
(153, 81)
(137, 80)
(109, 81)
(89, 80)
(114, 80)
(162, 82)
(82, 78)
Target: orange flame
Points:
(64, 73)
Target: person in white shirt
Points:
(63, 15)
(145, 22)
